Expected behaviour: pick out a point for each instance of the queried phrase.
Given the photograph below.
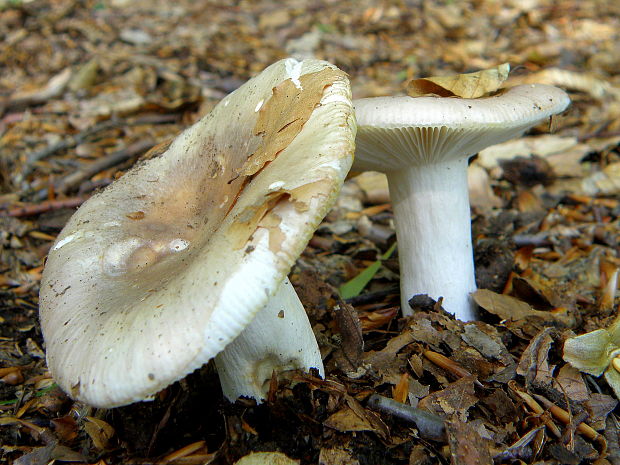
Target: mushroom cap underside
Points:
(398, 132)
(155, 275)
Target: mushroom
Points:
(185, 257)
(422, 144)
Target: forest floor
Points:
(87, 87)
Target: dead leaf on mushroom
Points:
(470, 85)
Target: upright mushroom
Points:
(422, 144)
(185, 257)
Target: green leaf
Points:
(355, 286)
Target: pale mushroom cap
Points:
(395, 132)
(158, 273)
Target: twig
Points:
(429, 425)
(564, 417)
(43, 207)
(67, 143)
(540, 239)
(369, 297)
(536, 408)
(449, 365)
(75, 179)
(72, 141)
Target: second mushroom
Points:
(423, 144)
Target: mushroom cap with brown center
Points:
(155, 275)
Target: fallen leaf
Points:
(467, 447)
(534, 363)
(455, 399)
(349, 355)
(99, 431)
(336, 456)
(519, 316)
(347, 420)
(470, 85)
(569, 381)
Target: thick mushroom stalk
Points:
(432, 219)
(422, 144)
(278, 339)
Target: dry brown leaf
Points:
(284, 115)
(467, 447)
(388, 362)
(65, 428)
(336, 456)
(598, 407)
(470, 85)
(347, 420)
(534, 363)
(99, 431)
(570, 381)
(455, 399)
(349, 355)
(512, 309)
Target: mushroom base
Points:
(279, 339)
(433, 230)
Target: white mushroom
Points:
(422, 144)
(163, 270)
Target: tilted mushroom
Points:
(189, 251)
(422, 144)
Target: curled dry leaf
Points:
(519, 316)
(347, 420)
(470, 85)
(99, 431)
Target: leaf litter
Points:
(88, 87)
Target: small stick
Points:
(538, 410)
(429, 425)
(72, 141)
(75, 179)
(67, 143)
(46, 206)
(540, 239)
(449, 365)
(564, 417)
(369, 297)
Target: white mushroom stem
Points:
(433, 229)
(279, 339)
